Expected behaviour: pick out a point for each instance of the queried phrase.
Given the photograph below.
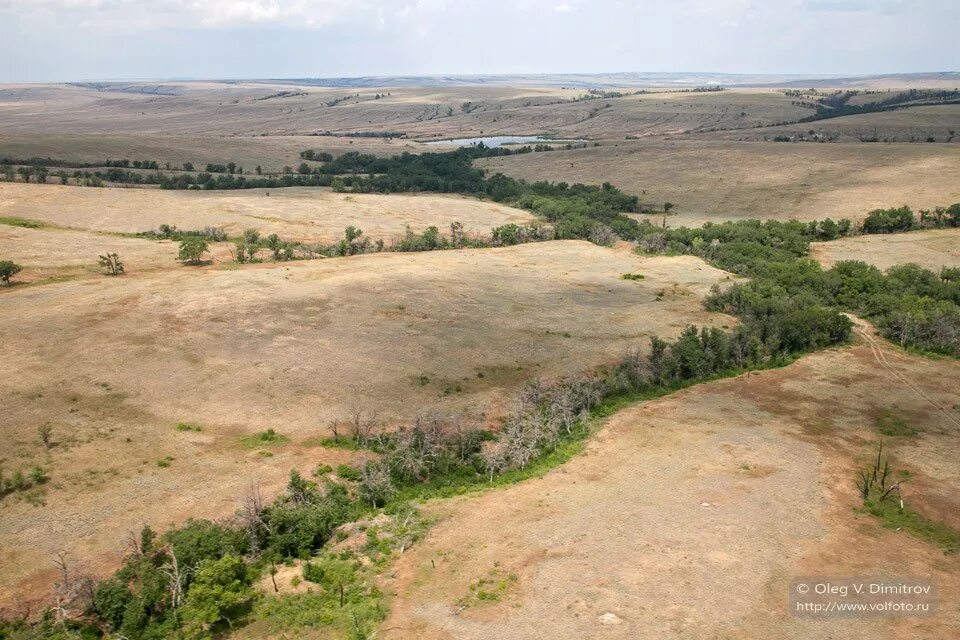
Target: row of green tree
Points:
(838, 104)
(913, 306)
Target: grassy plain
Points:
(292, 347)
(741, 483)
(930, 249)
(713, 181)
(299, 213)
(211, 109)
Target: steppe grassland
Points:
(291, 347)
(302, 214)
(931, 249)
(207, 109)
(715, 181)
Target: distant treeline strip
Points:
(837, 106)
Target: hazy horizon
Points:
(72, 40)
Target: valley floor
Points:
(688, 516)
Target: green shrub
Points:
(889, 220)
(192, 249)
(347, 472)
(264, 438)
(8, 269)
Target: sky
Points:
(64, 40)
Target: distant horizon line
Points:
(466, 77)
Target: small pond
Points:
(496, 141)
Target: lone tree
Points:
(112, 263)
(8, 269)
(192, 249)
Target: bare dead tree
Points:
(363, 425)
(131, 542)
(176, 577)
(376, 485)
(494, 456)
(465, 434)
(335, 429)
(407, 456)
(73, 592)
(251, 515)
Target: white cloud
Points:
(211, 13)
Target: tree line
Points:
(837, 105)
(910, 305)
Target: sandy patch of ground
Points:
(688, 516)
(930, 249)
(307, 214)
(291, 347)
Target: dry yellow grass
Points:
(916, 124)
(307, 214)
(688, 516)
(930, 249)
(212, 109)
(711, 181)
(114, 363)
(272, 153)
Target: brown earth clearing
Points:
(292, 347)
(688, 516)
(297, 213)
(715, 181)
(930, 249)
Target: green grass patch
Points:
(891, 425)
(339, 442)
(632, 276)
(364, 608)
(264, 439)
(165, 461)
(347, 472)
(918, 525)
(490, 588)
(27, 223)
(189, 426)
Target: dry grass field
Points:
(913, 125)
(67, 253)
(685, 517)
(291, 347)
(712, 181)
(688, 516)
(301, 213)
(210, 109)
(930, 249)
(272, 153)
